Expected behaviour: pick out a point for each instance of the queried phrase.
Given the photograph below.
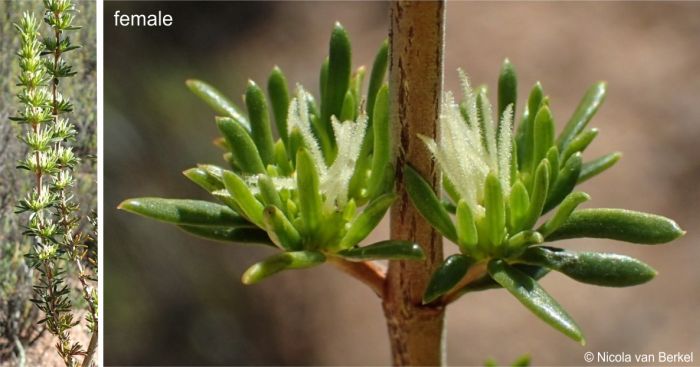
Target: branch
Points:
(367, 272)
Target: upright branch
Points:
(54, 219)
(415, 82)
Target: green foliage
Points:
(499, 195)
(314, 190)
(55, 220)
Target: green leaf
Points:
(230, 234)
(279, 99)
(524, 136)
(376, 79)
(347, 113)
(284, 261)
(580, 143)
(588, 106)
(539, 194)
(507, 87)
(495, 210)
(467, 235)
(339, 70)
(553, 158)
(281, 231)
(184, 211)
(217, 101)
(268, 191)
(446, 277)
(519, 203)
(242, 146)
(543, 134)
(241, 194)
(204, 179)
(282, 159)
(597, 166)
(385, 250)
(565, 183)
(367, 220)
(310, 203)
(567, 206)
(536, 299)
(428, 204)
(520, 240)
(618, 224)
(259, 122)
(381, 178)
(608, 270)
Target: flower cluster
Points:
(314, 192)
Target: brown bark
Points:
(415, 81)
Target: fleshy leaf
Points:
(230, 234)
(217, 101)
(618, 224)
(588, 106)
(279, 99)
(609, 270)
(242, 146)
(446, 277)
(597, 166)
(367, 221)
(260, 129)
(281, 231)
(428, 204)
(184, 211)
(535, 298)
(283, 261)
(385, 250)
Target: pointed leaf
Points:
(524, 137)
(204, 179)
(539, 194)
(467, 234)
(507, 87)
(567, 206)
(260, 129)
(184, 211)
(230, 234)
(308, 188)
(376, 79)
(281, 231)
(495, 210)
(241, 194)
(367, 220)
(588, 106)
(217, 101)
(608, 270)
(618, 224)
(580, 143)
(565, 183)
(381, 179)
(242, 146)
(536, 299)
(597, 166)
(385, 250)
(339, 70)
(284, 261)
(446, 277)
(428, 204)
(279, 99)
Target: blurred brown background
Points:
(174, 299)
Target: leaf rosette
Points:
(500, 185)
(316, 189)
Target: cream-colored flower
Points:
(470, 148)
